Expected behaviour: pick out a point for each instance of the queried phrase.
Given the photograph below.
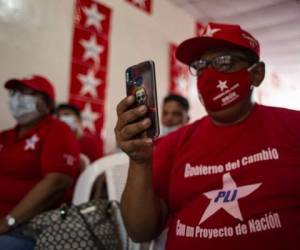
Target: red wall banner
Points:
(179, 74)
(89, 62)
(145, 5)
(199, 28)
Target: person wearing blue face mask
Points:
(90, 144)
(39, 160)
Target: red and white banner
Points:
(89, 62)
(199, 28)
(145, 5)
(179, 74)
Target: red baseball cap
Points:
(216, 35)
(34, 82)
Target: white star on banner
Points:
(91, 49)
(210, 32)
(31, 142)
(89, 83)
(93, 17)
(178, 65)
(140, 3)
(181, 83)
(227, 198)
(89, 117)
(222, 85)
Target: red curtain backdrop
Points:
(179, 74)
(89, 62)
(145, 5)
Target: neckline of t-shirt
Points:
(33, 130)
(245, 121)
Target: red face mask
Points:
(221, 90)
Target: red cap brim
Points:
(190, 50)
(12, 83)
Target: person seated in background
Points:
(230, 180)
(90, 144)
(175, 113)
(39, 160)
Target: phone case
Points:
(140, 82)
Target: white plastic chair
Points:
(115, 167)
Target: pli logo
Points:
(226, 196)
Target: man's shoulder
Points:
(280, 111)
(51, 122)
(7, 132)
(51, 128)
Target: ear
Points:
(257, 73)
(42, 105)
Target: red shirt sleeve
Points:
(163, 157)
(60, 153)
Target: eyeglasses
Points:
(224, 63)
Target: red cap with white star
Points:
(35, 82)
(216, 35)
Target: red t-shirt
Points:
(50, 147)
(232, 187)
(91, 146)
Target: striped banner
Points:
(89, 62)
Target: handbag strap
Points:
(97, 241)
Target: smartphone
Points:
(141, 83)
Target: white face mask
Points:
(23, 107)
(166, 130)
(70, 121)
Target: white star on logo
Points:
(222, 85)
(89, 117)
(31, 142)
(92, 49)
(89, 83)
(227, 198)
(94, 17)
(70, 159)
(210, 32)
(140, 3)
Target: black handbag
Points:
(88, 226)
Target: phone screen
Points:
(141, 83)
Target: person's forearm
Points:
(43, 196)
(142, 210)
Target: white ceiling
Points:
(275, 24)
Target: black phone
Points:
(141, 83)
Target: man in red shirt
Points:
(39, 159)
(90, 144)
(230, 180)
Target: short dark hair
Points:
(70, 107)
(182, 101)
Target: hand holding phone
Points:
(141, 83)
